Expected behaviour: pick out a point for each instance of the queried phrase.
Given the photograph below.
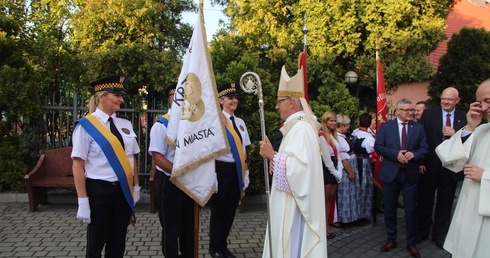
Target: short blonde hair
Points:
(343, 119)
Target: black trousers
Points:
(223, 206)
(176, 214)
(110, 214)
(446, 188)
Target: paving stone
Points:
(52, 231)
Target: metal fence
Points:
(62, 110)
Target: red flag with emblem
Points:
(381, 113)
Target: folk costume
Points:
(332, 166)
(363, 147)
(297, 226)
(175, 208)
(233, 178)
(348, 194)
(469, 232)
(107, 145)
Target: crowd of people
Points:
(322, 175)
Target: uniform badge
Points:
(126, 130)
(241, 128)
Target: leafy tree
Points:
(464, 66)
(18, 106)
(406, 32)
(143, 40)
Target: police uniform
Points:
(109, 210)
(175, 208)
(225, 201)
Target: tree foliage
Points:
(19, 107)
(143, 40)
(464, 66)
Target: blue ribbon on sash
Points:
(164, 120)
(114, 153)
(237, 152)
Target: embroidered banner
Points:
(196, 129)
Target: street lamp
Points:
(351, 79)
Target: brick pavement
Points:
(53, 231)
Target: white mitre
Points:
(293, 87)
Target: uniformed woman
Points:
(104, 170)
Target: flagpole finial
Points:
(305, 30)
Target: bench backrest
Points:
(59, 162)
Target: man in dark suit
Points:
(402, 144)
(440, 123)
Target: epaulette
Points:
(122, 116)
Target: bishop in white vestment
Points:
(297, 205)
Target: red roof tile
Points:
(463, 14)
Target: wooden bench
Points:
(53, 170)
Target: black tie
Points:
(232, 118)
(115, 131)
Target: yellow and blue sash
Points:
(237, 152)
(114, 153)
(164, 119)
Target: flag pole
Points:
(196, 205)
(250, 83)
(303, 58)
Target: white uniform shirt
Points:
(244, 133)
(158, 133)
(86, 148)
(344, 147)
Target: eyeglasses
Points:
(281, 100)
(407, 109)
(447, 99)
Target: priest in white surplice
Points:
(297, 205)
(469, 151)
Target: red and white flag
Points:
(381, 114)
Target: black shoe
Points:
(218, 255)
(228, 254)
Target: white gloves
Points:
(136, 193)
(216, 183)
(246, 180)
(83, 212)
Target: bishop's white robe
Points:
(469, 233)
(298, 226)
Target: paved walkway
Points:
(53, 231)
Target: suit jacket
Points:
(432, 121)
(388, 145)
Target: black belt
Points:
(102, 182)
(364, 156)
(224, 162)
